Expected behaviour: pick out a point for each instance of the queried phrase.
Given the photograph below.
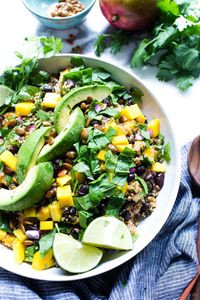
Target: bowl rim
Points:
(86, 9)
(128, 255)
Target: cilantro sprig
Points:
(173, 46)
(25, 77)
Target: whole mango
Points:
(131, 15)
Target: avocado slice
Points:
(65, 140)
(37, 182)
(29, 151)
(62, 110)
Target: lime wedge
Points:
(4, 93)
(73, 256)
(108, 232)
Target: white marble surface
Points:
(16, 23)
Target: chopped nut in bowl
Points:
(57, 14)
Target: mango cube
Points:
(46, 225)
(24, 108)
(158, 167)
(113, 124)
(43, 213)
(102, 167)
(150, 153)
(131, 112)
(154, 126)
(120, 148)
(19, 251)
(42, 263)
(30, 212)
(8, 240)
(63, 180)
(120, 140)
(50, 100)
(20, 235)
(101, 155)
(64, 196)
(55, 211)
(9, 159)
(2, 234)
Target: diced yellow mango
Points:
(19, 251)
(154, 126)
(120, 140)
(42, 263)
(20, 235)
(102, 166)
(131, 112)
(63, 180)
(141, 119)
(30, 212)
(8, 240)
(9, 159)
(120, 148)
(158, 167)
(64, 196)
(101, 155)
(24, 108)
(2, 234)
(62, 73)
(43, 213)
(50, 100)
(46, 225)
(150, 153)
(55, 211)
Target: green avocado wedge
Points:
(30, 191)
(29, 151)
(71, 99)
(65, 140)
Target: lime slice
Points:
(73, 256)
(4, 93)
(108, 232)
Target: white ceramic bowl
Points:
(150, 226)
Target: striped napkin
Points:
(160, 272)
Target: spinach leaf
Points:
(100, 74)
(124, 164)
(83, 168)
(84, 218)
(110, 161)
(77, 61)
(114, 205)
(111, 132)
(85, 202)
(46, 242)
(167, 156)
(143, 184)
(29, 252)
(4, 222)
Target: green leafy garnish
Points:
(167, 156)
(46, 242)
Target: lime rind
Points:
(108, 232)
(73, 256)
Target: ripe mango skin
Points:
(131, 15)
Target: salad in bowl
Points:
(82, 166)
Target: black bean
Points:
(131, 139)
(74, 232)
(101, 208)
(47, 88)
(72, 210)
(140, 170)
(83, 190)
(130, 177)
(160, 180)
(148, 175)
(13, 149)
(126, 215)
(94, 122)
(130, 102)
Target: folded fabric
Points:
(160, 272)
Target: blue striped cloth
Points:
(161, 271)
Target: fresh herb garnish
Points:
(173, 46)
(46, 242)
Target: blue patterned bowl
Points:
(40, 9)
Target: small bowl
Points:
(41, 10)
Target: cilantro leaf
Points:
(168, 7)
(51, 45)
(186, 57)
(100, 44)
